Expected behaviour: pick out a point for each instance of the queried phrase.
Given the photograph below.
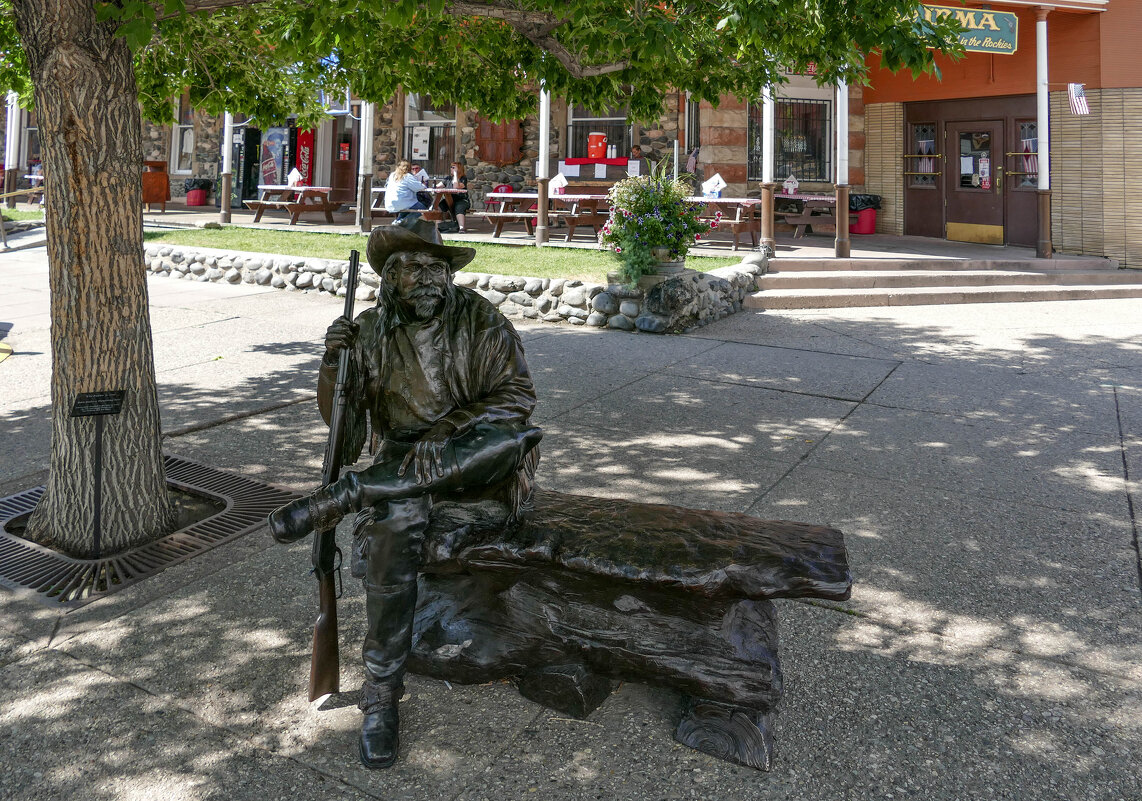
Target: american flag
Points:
(1077, 96)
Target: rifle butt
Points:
(325, 664)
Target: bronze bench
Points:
(587, 590)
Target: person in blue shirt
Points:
(400, 192)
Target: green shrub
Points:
(648, 212)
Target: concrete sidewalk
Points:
(981, 460)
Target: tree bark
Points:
(90, 134)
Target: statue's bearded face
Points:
(420, 281)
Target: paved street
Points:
(982, 460)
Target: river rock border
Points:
(675, 304)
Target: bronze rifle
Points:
(325, 666)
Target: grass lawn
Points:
(552, 262)
(20, 214)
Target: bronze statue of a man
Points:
(439, 376)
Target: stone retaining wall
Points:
(675, 305)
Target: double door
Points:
(972, 178)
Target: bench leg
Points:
(569, 689)
(499, 229)
(258, 213)
(570, 231)
(727, 732)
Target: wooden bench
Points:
(741, 219)
(815, 212)
(501, 218)
(594, 219)
(587, 590)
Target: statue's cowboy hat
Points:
(419, 237)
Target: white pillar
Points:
(365, 150)
(227, 187)
(543, 171)
(365, 168)
(842, 133)
(675, 159)
(228, 143)
(12, 143)
(768, 112)
(1042, 102)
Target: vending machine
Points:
(246, 156)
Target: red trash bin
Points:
(196, 197)
(866, 222)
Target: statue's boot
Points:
(392, 559)
(484, 457)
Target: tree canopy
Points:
(269, 58)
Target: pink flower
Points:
(697, 237)
(618, 249)
(714, 224)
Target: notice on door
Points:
(985, 173)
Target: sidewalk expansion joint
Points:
(1129, 494)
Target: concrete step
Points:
(929, 296)
(956, 278)
(784, 265)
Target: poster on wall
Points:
(304, 162)
(420, 143)
(273, 146)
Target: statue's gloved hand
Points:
(342, 333)
(427, 455)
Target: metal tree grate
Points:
(58, 580)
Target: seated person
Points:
(457, 205)
(400, 192)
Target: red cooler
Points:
(596, 145)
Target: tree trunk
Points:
(90, 134)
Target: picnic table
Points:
(37, 183)
(815, 210)
(582, 209)
(576, 209)
(739, 215)
(296, 200)
(434, 214)
(511, 207)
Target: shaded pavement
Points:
(981, 460)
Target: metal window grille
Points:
(693, 125)
(923, 165)
(1027, 160)
(803, 134)
(441, 148)
(582, 123)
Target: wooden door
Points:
(973, 181)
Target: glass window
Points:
(612, 122)
(975, 160)
(182, 146)
(921, 165)
(430, 134)
(32, 145)
(804, 136)
(1027, 162)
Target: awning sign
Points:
(987, 31)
